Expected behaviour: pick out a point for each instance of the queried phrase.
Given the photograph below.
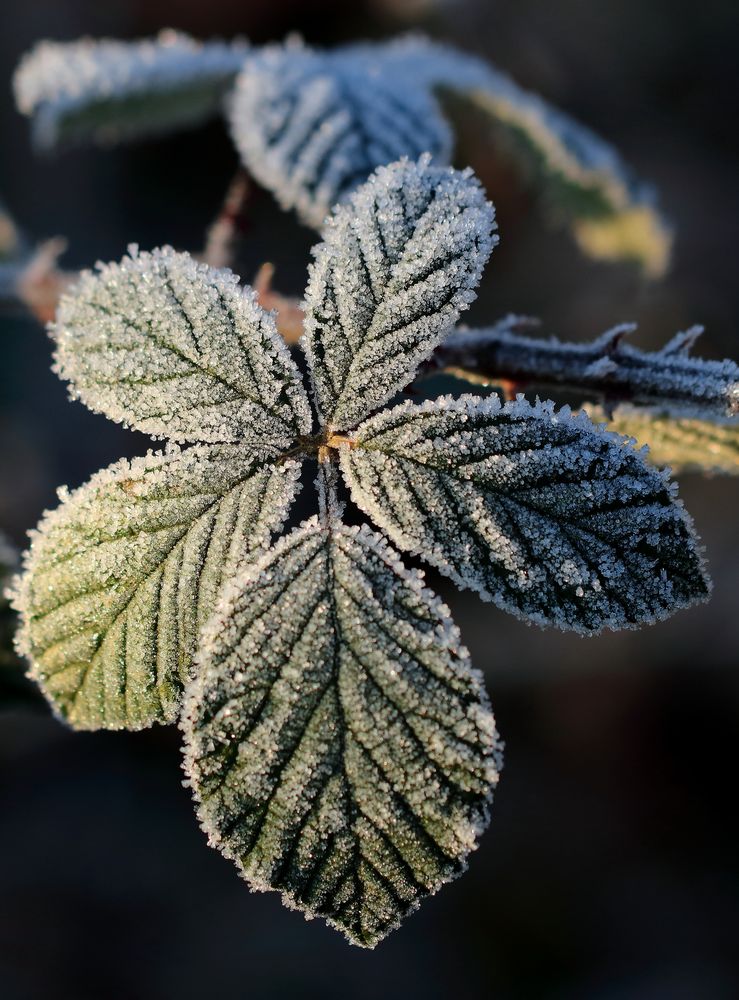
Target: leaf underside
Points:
(542, 513)
(340, 747)
(397, 265)
(176, 349)
(107, 91)
(121, 577)
(685, 444)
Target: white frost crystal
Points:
(347, 756)
(396, 267)
(179, 350)
(110, 90)
(340, 748)
(540, 512)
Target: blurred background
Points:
(610, 868)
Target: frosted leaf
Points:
(540, 512)
(397, 265)
(686, 445)
(669, 378)
(340, 747)
(312, 125)
(121, 576)
(177, 349)
(107, 90)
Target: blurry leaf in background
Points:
(106, 91)
(685, 445)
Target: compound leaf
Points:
(397, 265)
(683, 443)
(179, 350)
(120, 577)
(312, 125)
(341, 749)
(107, 90)
(540, 512)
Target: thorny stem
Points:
(605, 368)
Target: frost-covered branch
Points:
(606, 368)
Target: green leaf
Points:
(179, 350)
(686, 445)
(340, 747)
(106, 91)
(540, 512)
(120, 578)
(397, 265)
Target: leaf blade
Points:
(541, 513)
(346, 765)
(179, 350)
(397, 265)
(120, 578)
(312, 125)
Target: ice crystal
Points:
(396, 266)
(109, 90)
(340, 748)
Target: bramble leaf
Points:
(340, 747)
(313, 125)
(685, 444)
(540, 512)
(397, 265)
(108, 90)
(179, 350)
(120, 578)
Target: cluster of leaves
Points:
(311, 125)
(340, 747)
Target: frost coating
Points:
(397, 265)
(120, 577)
(540, 512)
(686, 445)
(179, 350)
(110, 90)
(312, 125)
(348, 757)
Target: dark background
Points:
(610, 868)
